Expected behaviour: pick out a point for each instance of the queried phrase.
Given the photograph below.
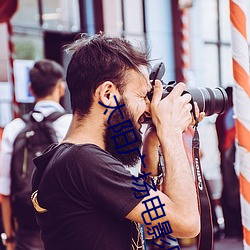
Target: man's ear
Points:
(31, 90)
(106, 92)
(62, 88)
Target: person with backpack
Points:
(23, 139)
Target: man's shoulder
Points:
(94, 155)
(13, 128)
(71, 157)
(84, 157)
(82, 152)
(64, 117)
(98, 160)
(91, 150)
(18, 122)
(63, 121)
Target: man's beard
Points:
(129, 159)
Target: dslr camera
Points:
(210, 101)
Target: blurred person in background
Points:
(47, 86)
(2, 247)
(225, 126)
(210, 162)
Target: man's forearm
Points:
(7, 215)
(179, 177)
(179, 185)
(151, 150)
(151, 161)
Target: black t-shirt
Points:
(87, 193)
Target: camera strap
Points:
(205, 238)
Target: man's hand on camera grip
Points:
(171, 115)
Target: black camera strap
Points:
(205, 238)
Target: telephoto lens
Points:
(210, 101)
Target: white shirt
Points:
(210, 160)
(11, 131)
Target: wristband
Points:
(157, 179)
(6, 239)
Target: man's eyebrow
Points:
(149, 86)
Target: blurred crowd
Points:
(217, 135)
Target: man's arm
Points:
(7, 220)
(150, 149)
(171, 116)
(9, 134)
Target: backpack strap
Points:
(54, 116)
(51, 118)
(43, 123)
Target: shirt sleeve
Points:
(10, 132)
(61, 126)
(108, 183)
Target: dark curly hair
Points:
(96, 59)
(44, 76)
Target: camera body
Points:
(210, 101)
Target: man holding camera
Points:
(83, 195)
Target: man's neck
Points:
(88, 130)
(48, 98)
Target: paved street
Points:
(223, 244)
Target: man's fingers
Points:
(199, 115)
(196, 109)
(157, 93)
(177, 90)
(186, 98)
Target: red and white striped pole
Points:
(185, 65)
(15, 106)
(185, 55)
(241, 95)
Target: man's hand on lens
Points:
(199, 115)
(171, 115)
